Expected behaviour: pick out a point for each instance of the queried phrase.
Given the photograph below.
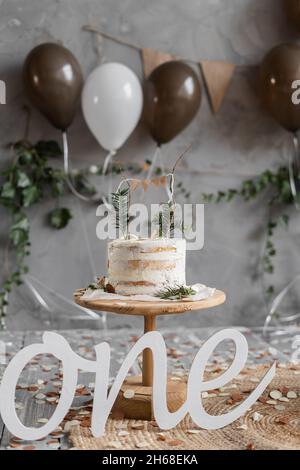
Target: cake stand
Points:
(139, 406)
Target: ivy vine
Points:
(28, 180)
(276, 186)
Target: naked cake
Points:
(143, 266)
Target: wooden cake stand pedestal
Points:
(138, 405)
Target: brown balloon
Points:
(279, 69)
(53, 81)
(172, 99)
(293, 11)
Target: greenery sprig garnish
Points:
(94, 287)
(276, 186)
(176, 292)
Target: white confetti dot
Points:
(275, 394)
(40, 396)
(128, 394)
(257, 417)
(279, 407)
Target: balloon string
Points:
(277, 301)
(294, 167)
(68, 170)
(169, 187)
(87, 240)
(154, 162)
(161, 162)
(107, 163)
(158, 156)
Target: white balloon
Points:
(112, 103)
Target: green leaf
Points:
(270, 291)
(23, 181)
(49, 149)
(31, 195)
(60, 217)
(58, 188)
(57, 180)
(8, 191)
(83, 185)
(25, 157)
(269, 269)
(284, 220)
(21, 222)
(19, 231)
(19, 237)
(207, 198)
(286, 191)
(93, 287)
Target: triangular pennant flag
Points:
(134, 184)
(145, 184)
(163, 181)
(217, 77)
(155, 181)
(152, 59)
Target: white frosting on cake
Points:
(145, 266)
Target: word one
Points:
(104, 397)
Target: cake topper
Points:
(164, 220)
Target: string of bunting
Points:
(217, 75)
(145, 183)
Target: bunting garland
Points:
(145, 183)
(217, 75)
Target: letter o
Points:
(57, 346)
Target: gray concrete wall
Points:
(240, 141)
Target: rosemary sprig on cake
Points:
(93, 287)
(177, 292)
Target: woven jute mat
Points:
(274, 426)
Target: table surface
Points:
(150, 309)
(42, 374)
